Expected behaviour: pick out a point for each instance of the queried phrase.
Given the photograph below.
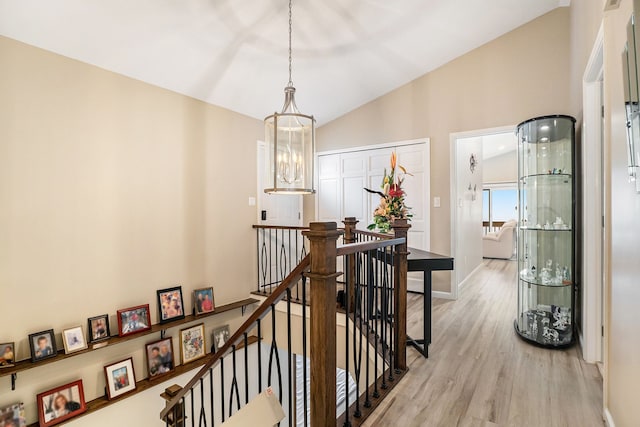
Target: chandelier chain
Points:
(290, 25)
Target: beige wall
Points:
(622, 367)
(520, 75)
(109, 190)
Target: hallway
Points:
(479, 373)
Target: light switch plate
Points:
(252, 201)
(436, 202)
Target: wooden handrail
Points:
(381, 236)
(279, 227)
(353, 248)
(260, 312)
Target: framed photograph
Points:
(98, 328)
(220, 336)
(7, 355)
(43, 345)
(170, 304)
(192, 343)
(203, 301)
(133, 320)
(159, 358)
(61, 403)
(120, 378)
(13, 416)
(74, 339)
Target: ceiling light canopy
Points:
(290, 139)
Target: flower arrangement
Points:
(391, 198)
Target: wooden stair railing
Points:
(375, 269)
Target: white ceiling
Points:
(499, 144)
(233, 53)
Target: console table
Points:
(426, 262)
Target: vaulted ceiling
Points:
(233, 53)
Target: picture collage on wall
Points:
(66, 401)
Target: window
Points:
(499, 203)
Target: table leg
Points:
(422, 345)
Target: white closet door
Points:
(414, 158)
(353, 180)
(329, 206)
(343, 176)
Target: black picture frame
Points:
(42, 345)
(160, 358)
(98, 328)
(170, 304)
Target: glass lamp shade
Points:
(290, 140)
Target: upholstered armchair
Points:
(500, 244)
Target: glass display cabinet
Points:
(546, 245)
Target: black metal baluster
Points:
(290, 353)
(222, 387)
(392, 310)
(246, 368)
(376, 328)
(259, 323)
(234, 383)
(383, 321)
(271, 258)
(304, 351)
(202, 422)
(273, 354)
(265, 261)
(368, 308)
(193, 418)
(213, 415)
(347, 306)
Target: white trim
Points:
(592, 188)
(442, 294)
(470, 276)
(373, 146)
(453, 170)
(608, 418)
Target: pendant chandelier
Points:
(290, 140)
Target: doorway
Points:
(275, 209)
(467, 195)
(594, 197)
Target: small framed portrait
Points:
(120, 378)
(13, 416)
(7, 355)
(159, 358)
(192, 343)
(133, 320)
(170, 304)
(61, 403)
(74, 339)
(98, 328)
(220, 336)
(203, 301)
(43, 345)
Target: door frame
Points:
(594, 260)
(260, 189)
(457, 282)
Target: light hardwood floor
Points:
(479, 373)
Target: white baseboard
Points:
(470, 276)
(608, 419)
(441, 294)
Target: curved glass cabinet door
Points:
(546, 249)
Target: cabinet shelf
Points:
(525, 228)
(558, 176)
(146, 383)
(536, 282)
(26, 364)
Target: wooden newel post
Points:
(350, 237)
(322, 275)
(401, 229)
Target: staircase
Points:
(301, 336)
